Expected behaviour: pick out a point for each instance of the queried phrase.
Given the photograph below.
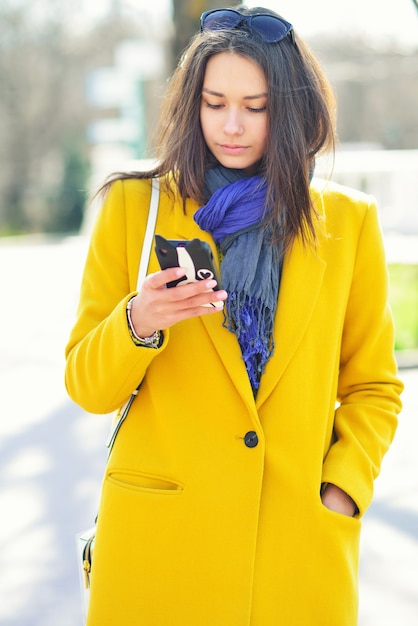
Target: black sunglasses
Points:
(271, 28)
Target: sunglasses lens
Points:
(220, 20)
(270, 28)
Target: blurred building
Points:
(124, 97)
(390, 175)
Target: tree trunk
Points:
(187, 22)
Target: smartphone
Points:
(194, 255)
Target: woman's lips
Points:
(229, 148)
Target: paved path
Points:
(52, 456)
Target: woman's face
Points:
(233, 110)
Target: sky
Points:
(395, 20)
(380, 20)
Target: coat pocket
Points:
(144, 482)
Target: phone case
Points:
(194, 255)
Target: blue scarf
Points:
(251, 265)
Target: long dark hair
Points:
(301, 114)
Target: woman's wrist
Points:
(153, 340)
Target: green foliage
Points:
(403, 297)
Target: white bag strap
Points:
(142, 272)
(149, 232)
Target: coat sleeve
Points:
(103, 364)
(368, 389)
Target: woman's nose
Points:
(233, 123)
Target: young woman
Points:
(235, 488)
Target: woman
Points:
(235, 488)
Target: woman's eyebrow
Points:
(222, 95)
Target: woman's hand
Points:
(157, 308)
(338, 500)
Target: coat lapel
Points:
(224, 341)
(229, 352)
(302, 276)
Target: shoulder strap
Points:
(149, 232)
(142, 272)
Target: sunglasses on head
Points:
(271, 28)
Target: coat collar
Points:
(184, 223)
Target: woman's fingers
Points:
(157, 307)
(161, 278)
(187, 295)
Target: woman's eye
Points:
(257, 110)
(213, 106)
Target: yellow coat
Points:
(195, 528)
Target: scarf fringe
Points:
(252, 322)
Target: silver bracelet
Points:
(153, 341)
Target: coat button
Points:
(251, 439)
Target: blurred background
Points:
(80, 88)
